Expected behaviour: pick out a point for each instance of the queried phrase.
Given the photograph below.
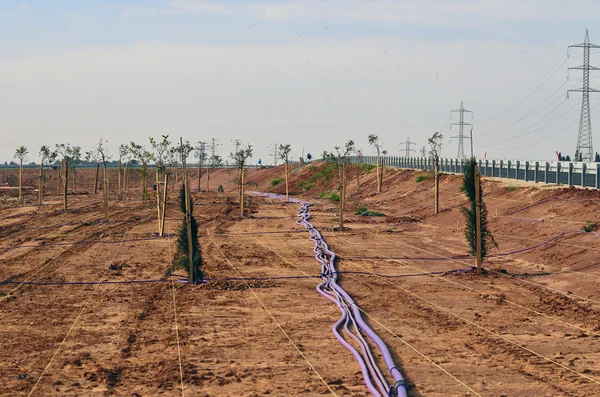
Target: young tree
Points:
(183, 245)
(64, 152)
(200, 154)
(92, 157)
(374, 141)
(214, 161)
(123, 152)
(359, 158)
(46, 156)
(104, 157)
(143, 156)
(470, 212)
(435, 151)
(74, 160)
(284, 155)
(21, 155)
(341, 158)
(240, 159)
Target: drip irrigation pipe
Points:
(351, 317)
(42, 244)
(208, 280)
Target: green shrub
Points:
(183, 250)
(512, 188)
(334, 196)
(220, 189)
(276, 181)
(424, 177)
(366, 168)
(364, 211)
(330, 194)
(589, 227)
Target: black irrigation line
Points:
(43, 245)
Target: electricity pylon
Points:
(584, 151)
(461, 136)
(275, 153)
(407, 149)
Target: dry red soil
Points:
(529, 326)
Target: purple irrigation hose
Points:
(374, 380)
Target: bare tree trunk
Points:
(40, 181)
(65, 166)
(164, 204)
(21, 181)
(357, 176)
(381, 178)
(287, 191)
(208, 180)
(158, 203)
(96, 179)
(437, 188)
(74, 178)
(125, 175)
(105, 188)
(378, 179)
(242, 194)
(119, 179)
(199, 173)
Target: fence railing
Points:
(559, 172)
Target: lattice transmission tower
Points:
(407, 147)
(461, 135)
(585, 151)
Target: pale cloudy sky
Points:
(309, 73)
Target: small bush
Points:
(512, 188)
(424, 177)
(589, 227)
(334, 196)
(276, 181)
(220, 189)
(366, 168)
(364, 211)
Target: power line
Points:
(534, 91)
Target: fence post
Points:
(536, 177)
(478, 258)
(570, 175)
(558, 173)
(526, 171)
(583, 172)
(597, 175)
(546, 172)
(493, 166)
(517, 166)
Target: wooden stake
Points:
(41, 176)
(437, 189)
(242, 194)
(188, 220)
(21, 182)
(164, 206)
(96, 179)
(342, 205)
(119, 179)
(105, 191)
(478, 258)
(65, 177)
(158, 204)
(287, 191)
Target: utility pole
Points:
(584, 151)
(275, 153)
(461, 136)
(237, 144)
(407, 147)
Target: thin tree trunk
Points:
(105, 192)
(437, 188)
(74, 178)
(21, 181)
(119, 179)
(164, 205)
(381, 178)
(199, 173)
(287, 191)
(242, 195)
(125, 175)
(41, 176)
(96, 179)
(357, 177)
(65, 165)
(158, 203)
(341, 218)
(208, 180)
(378, 180)
(143, 181)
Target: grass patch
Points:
(364, 211)
(424, 177)
(276, 181)
(305, 185)
(366, 168)
(589, 227)
(512, 188)
(330, 194)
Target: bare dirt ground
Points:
(530, 326)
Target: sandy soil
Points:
(528, 327)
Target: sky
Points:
(313, 74)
